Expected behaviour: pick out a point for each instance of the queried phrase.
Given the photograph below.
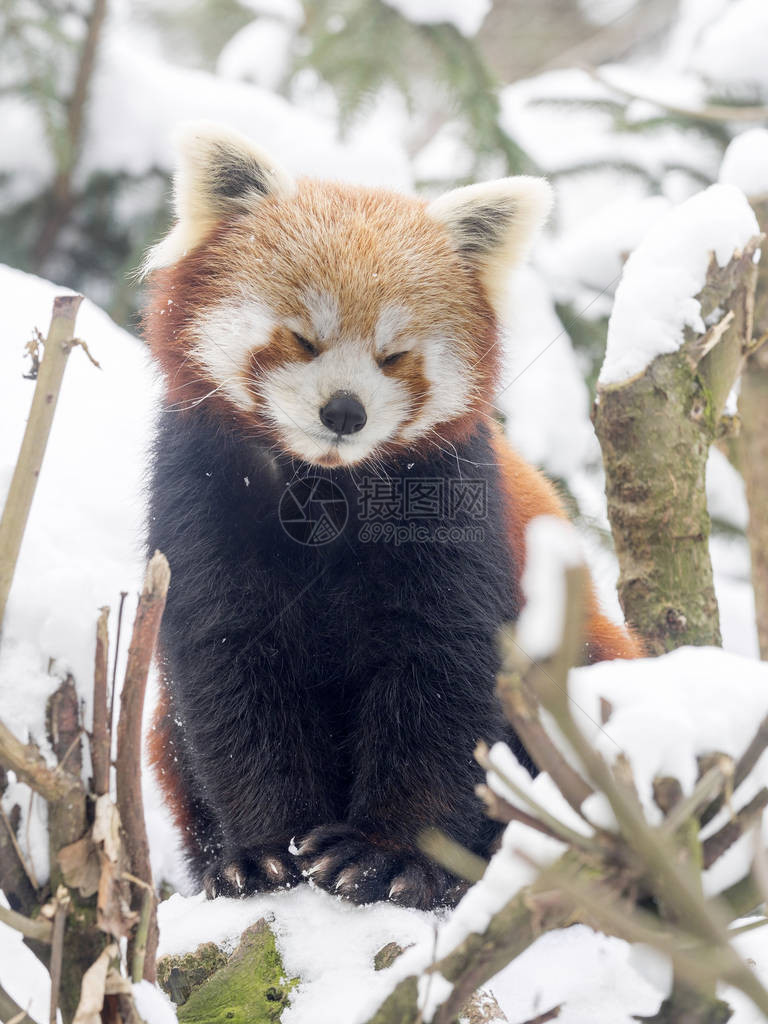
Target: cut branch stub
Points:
(655, 431)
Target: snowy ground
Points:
(84, 546)
(84, 541)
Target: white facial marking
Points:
(449, 377)
(296, 392)
(224, 340)
(323, 311)
(392, 320)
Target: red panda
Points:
(343, 518)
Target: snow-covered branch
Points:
(679, 334)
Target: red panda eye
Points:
(388, 360)
(306, 345)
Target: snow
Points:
(726, 494)
(328, 943)
(22, 975)
(593, 977)
(153, 1005)
(258, 53)
(93, 471)
(84, 539)
(745, 163)
(433, 991)
(603, 12)
(669, 710)
(731, 51)
(28, 163)
(752, 947)
(542, 393)
(559, 134)
(466, 15)
(552, 546)
(592, 251)
(290, 11)
(656, 298)
(84, 544)
(664, 714)
(137, 95)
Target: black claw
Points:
(342, 860)
(261, 870)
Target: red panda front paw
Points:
(262, 869)
(347, 863)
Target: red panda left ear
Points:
(493, 224)
(219, 172)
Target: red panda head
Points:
(338, 323)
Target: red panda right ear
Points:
(492, 225)
(219, 172)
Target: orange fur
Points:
(529, 494)
(370, 249)
(162, 754)
(310, 240)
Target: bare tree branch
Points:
(18, 502)
(712, 113)
(63, 197)
(715, 846)
(39, 929)
(101, 740)
(11, 1011)
(129, 798)
(30, 767)
(62, 902)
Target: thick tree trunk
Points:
(655, 431)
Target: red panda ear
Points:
(219, 172)
(493, 224)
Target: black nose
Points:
(343, 414)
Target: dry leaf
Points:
(92, 991)
(116, 984)
(115, 915)
(106, 827)
(79, 863)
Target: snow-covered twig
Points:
(750, 814)
(712, 113)
(711, 784)
(539, 815)
(605, 878)
(510, 931)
